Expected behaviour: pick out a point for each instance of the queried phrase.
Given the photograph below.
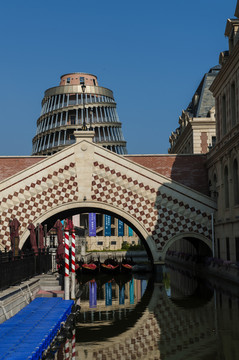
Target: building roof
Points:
(203, 99)
(237, 9)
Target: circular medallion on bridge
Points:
(83, 147)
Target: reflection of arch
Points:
(188, 235)
(137, 335)
(162, 320)
(91, 206)
(110, 329)
(188, 291)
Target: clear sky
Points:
(152, 54)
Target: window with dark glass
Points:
(82, 80)
(235, 182)
(215, 187)
(226, 187)
(218, 249)
(228, 248)
(237, 248)
(214, 141)
(224, 115)
(233, 104)
(68, 80)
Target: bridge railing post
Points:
(67, 267)
(73, 274)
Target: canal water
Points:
(174, 316)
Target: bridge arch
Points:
(63, 210)
(187, 236)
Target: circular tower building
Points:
(77, 103)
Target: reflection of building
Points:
(224, 158)
(197, 132)
(110, 296)
(118, 330)
(163, 329)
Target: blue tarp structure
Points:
(29, 333)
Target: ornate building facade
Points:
(196, 133)
(221, 143)
(223, 159)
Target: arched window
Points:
(226, 187)
(224, 115)
(233, 104)
(235, 182)
(215, 187)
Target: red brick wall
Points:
(12, 165)
(189, 170)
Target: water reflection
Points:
(180, 317)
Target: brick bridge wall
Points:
(189, 170)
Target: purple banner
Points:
(92, 224)
(93, 294)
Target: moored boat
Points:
(126, 267)
(89, 268)
(109, 268)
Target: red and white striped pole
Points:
(67, 278)
(73, 265)
(67, 350)
(73, 344)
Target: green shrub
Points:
(125, 245)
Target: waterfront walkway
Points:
(29, 333)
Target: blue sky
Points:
(152, 54)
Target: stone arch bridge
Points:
(87, 176)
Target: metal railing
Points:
(14, 270)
